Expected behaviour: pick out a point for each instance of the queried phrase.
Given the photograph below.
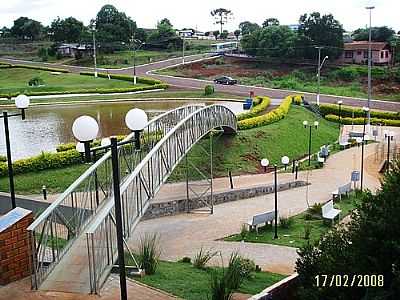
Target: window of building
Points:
(382, 54)
(359, 52)
(365, 54)
(348, 54)
(387, 54)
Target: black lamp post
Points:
(310, 126)
(366, 110)
(133, 41)
(265, 163)
(389, 135)
(21, 102)
(340, 102)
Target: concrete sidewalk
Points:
(183, 235)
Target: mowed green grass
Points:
(187, 282)
(16, 80)
(241, 153)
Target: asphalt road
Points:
(242, 90)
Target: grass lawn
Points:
(187, 282)
(120, 59)
(16, 80)
(242, 153)
(56, 181)
(163, 95)
(294, 235)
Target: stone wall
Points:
(282, 290)
(14, 250)
(174, 207)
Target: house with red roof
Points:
(357, 53)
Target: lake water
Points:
(45, 127)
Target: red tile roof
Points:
(363, 45)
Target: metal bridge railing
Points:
(144, 182)
(55, 230)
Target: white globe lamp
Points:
(285, 161)
(264, 164)
(136, 120)
(85, 130)
(22, 102)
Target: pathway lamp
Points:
(340, 102)
(389, 135)
(85, 130)
(265, 163)
(22, 103)
(135, 48)
(136, 120)
(366, 114)
(310, 126)
(320, 65)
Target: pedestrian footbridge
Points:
(73, 241)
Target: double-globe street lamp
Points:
(22, 103)
(85, 131)
(389, 135)
(310, 126)
(264, 163)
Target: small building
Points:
(357, 53)
(75, 50)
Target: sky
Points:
(196, 14)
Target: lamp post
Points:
(265, 163)
(340, 102)
(22, 103)
(310, 126)
(389, 135)
(370, 8)
(366, 111)
(319, 70)
(133, 41)
(93, 27)
(136, 119)
(85, 130)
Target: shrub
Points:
(307, 230)
(36, 81)
(208, 90)
(243, 231)
(129, 78)
(219, 287)
(347, 111)
(308, 216)
(46, 160)
(186, 260)
(360, 121)
(259, 105)
(3, 158)
(149, 253)
(299, 75)
(270, 117)
(316, 209)
(40, 68)
(347, 73)
(233, 275)
(203, 257)
(247, 266)
(285, 222)
(297, 99)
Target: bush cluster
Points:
(270, 117)
(209, 90)
(346, 111)
(360, 121)
(46, 160)
(297, 99)
(259, 105)
(354, 72)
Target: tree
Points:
(114, 26)
(224, 34)
(325, 30)
(216, 34)
(165, 36)
(271, 41)
(66, 30)
(237, 33)
(5, 32)
(369, 244)
(247, 27)
(25, 28)
(378, 34)
(270, 22)
(221, 16)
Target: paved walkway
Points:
(21, 290)
(183, 235)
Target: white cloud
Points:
(190, 13)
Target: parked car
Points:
(225, 80)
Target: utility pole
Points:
(370, 8)
(183, 49)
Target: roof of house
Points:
(363, 45)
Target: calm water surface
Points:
(48, 126)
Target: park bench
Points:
(342, 190)
(259, 219)
(329, 212)
(344, 143)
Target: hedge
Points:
(360, 121)
(259, 105)
(297, 99)
(40, 68)
(95, 143)
(89, 91)
(347, 111)
(129, 78)
(46, 160)
(270, 117)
